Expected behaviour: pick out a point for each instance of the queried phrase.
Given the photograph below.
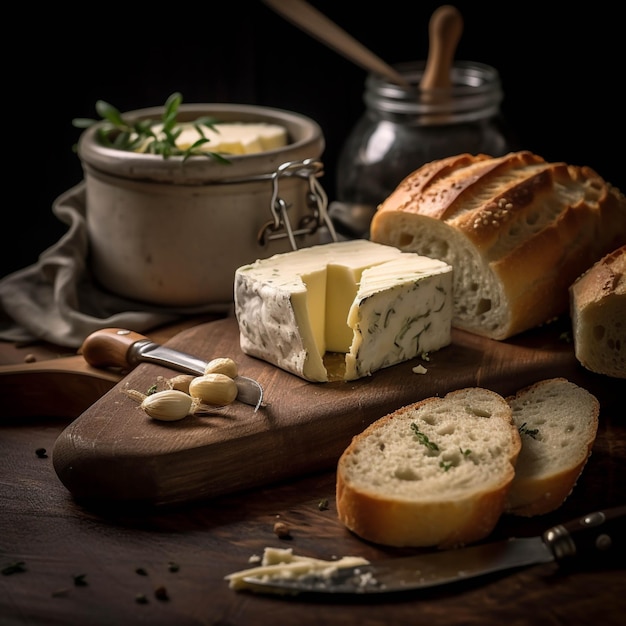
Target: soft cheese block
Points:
(372, 302)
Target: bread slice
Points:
(434, 473)
(598, 313)
(558, 422)
(516, 229)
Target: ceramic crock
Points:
(172, 232)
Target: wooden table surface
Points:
(123, 566)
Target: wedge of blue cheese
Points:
(375, 304)
(402, 309)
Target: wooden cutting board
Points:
(114, 452)
(41, 379)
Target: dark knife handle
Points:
(598, 537)
(110, 347)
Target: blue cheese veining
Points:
(375, 304)
(403, 308)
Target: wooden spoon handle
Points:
(311, 21)
(444, 29)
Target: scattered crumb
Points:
(60, 593)
(160, 593)
(419, 369)
(80, 580)
(282, 530)
(14, 568)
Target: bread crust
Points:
(430, 524)
(530, 226)
(598, 313)
(550, 464)
(605, 278)
(544, 496)
(444, 520)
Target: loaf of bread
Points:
(517, 231)
(598, 313)
(434, 473)
(558, 422)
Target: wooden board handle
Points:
(109, 347)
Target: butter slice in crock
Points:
(234, 137)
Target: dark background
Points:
(561, 65)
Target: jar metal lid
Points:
(476, 93)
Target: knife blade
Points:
(596, 538)
(119, 347)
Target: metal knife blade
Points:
(597, 537)
(119, 347)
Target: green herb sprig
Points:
(431, 445)
(423, 439)
(531, 432)
(14, 568)
(121, 134)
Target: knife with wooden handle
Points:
(119, 347)
(598, 538)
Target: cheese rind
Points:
(294, 307)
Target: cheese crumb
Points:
(283, 563)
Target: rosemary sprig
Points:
(139, 135)
(423, 438)
(531, 432)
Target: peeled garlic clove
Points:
(222, 365)
(216, 389)
(168, 405)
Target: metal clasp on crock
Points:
(280, 226)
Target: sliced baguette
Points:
(558, 422)
(598, 312)
(394, 489)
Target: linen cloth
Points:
(58, 300)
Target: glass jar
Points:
(402, 129)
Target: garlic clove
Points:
(180, 382)
(222, 365)
(169, 405)
(216, 389)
